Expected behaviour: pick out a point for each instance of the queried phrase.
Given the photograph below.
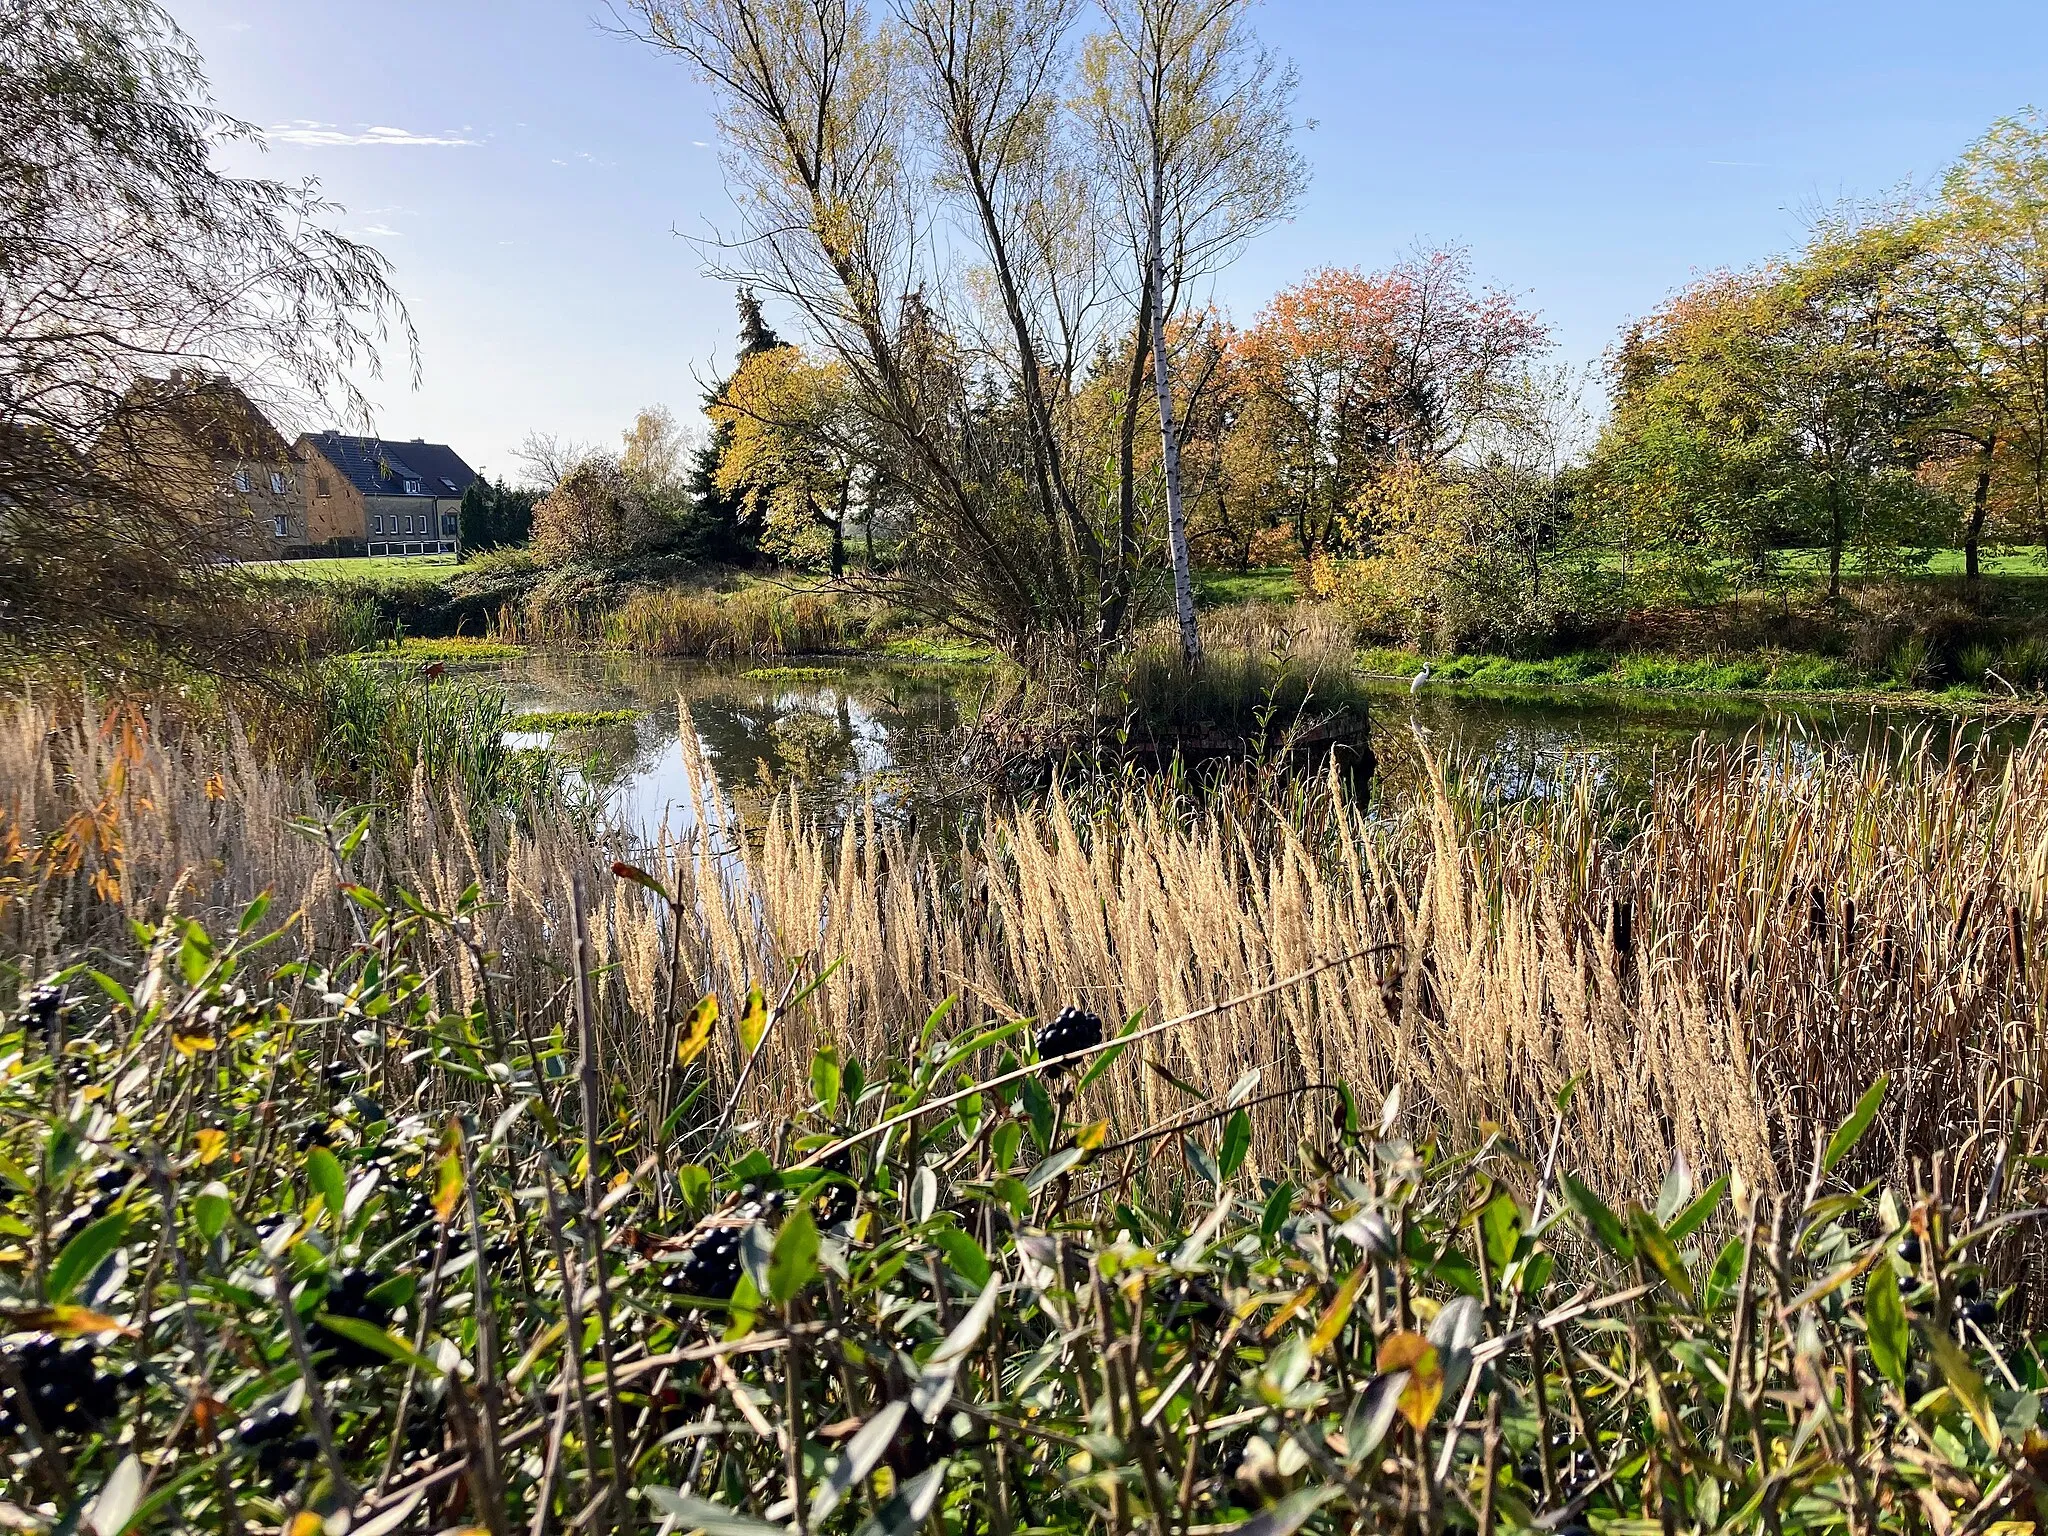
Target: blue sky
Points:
(527, 172)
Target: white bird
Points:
(1415, 684)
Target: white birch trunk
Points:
(1169, 443)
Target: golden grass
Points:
(1720, 978)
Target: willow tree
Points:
(925, 187)
(137, 280)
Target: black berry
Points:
(1070, 1031)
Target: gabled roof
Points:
(211, 412)
(377, 466)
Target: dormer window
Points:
(412, 488)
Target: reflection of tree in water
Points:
(1537, 746)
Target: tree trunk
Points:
(1169, 442)
(1834, 544)
(1980, 506)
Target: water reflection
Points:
(839, 733)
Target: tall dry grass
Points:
(1720, 974)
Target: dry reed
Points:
(1769, 934)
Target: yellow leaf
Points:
(754, 1022)
(1288, 1308)
(1412, 1353)
(448, 1171)
(697, 1031)
(211, 1144)
(191, 1045)
(1338, 1311)
(64, 1321)
(305, 1523)
(1089, 1137)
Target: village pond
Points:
(838, 734)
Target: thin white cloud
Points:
(331, 135)
(700, 144)
(383, 231)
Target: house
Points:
(383, 497)
(198, 447)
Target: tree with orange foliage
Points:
(1350, 373)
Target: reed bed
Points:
(666, 621)
(1719, 972)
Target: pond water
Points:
(835, 732)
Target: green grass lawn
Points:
(385, 570)
(1260, 584)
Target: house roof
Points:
(211, 412)
(376, 466)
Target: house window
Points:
(376, 523)
(447, 522)
(412, 488)
(280, 527)
(276, 483)
(242, 481)
(320, 486)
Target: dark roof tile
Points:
(378, 467)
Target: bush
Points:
(951, 1286)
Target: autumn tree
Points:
(793, 451)
(848, 142)
(1984, 282)
(1787, 405)
(1351, 374)
(597, 514)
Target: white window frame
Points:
(280, 527)
(276, 483)
(242, 481)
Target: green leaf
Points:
(370, 1336)
(905, 1510)
(1724, 1276)
(1694, 1215)
(1039, 1108)
(1500, 1230)
(1291, 1513)
(795, 1258)
(324, 1177)
(863, 1452)
(115, 1506)
(1662, 1253)
(825, 1079)
(1102, 1063)
(1884, 1316)
(688, 1513)
(963, 1253)
(1600, 1221)
(1851, 1130)
(82, 1255)
(1052, 1168)
(1676, 1191)
(1963, 1380)
(211, 1208)
(1237, 1141)
(1274, 1216)
(1004, 1143)
(1202, 1163)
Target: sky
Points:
(533, 176)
